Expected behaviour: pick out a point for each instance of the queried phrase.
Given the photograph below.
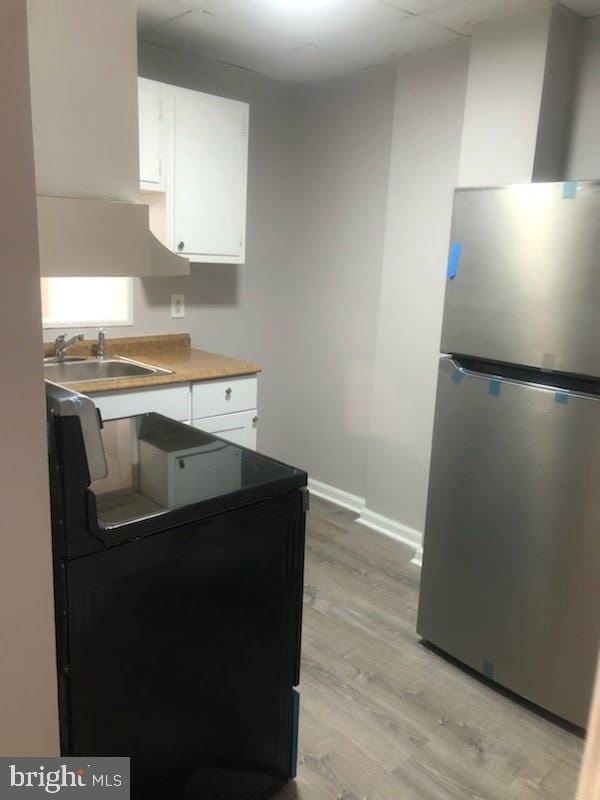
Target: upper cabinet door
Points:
(151, 135)
(209, 175)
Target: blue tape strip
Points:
(457, 376)
(495, 386)
(569, 190)
(488, 669)
(454, 259)
(295, 729)
(562, 398)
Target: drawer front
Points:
(236, 428)
(211, 398)
(172, 401)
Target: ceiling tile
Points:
(153, 12)
(219, 38)
(585, 8)
(218, 7)
(377, 44)
(306, 64)
(461, 15)
(417, 6)
(314, 21)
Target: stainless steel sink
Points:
(96, 369)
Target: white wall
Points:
(28, 701)
(430, 93)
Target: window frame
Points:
(99, 323)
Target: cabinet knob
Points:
(254, 420)
(181, 463)
(180, 246)
(228, 393)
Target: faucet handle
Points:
(59, 344)
(101, 340)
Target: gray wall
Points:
(305, 303)
(426, 143)
(28, 701)
(83, 90)
(237, 310)
(584, 152)
(557, 98)
(341, 152)
(503, 99)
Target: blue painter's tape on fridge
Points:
(562, 398)
(454, 259)
(295, 729)
(495, 386)
(457, 376)
(569, 190)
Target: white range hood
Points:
(83, 74)
(78, 236)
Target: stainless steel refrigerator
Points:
(511, 567)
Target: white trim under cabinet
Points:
(203, 150)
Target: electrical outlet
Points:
(177, 306)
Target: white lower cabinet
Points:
(227, 408)
(237, 428)
(211, 398)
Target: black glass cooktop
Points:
(156, 465)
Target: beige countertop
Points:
(170, 351)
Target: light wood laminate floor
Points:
(385, 718)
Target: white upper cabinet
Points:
(202, 145)
(151, 136)
(209, 176)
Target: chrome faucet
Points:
(61, 345)
(101, 339)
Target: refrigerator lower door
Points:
(511, 571)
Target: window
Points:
(86, 302)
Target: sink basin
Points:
(95, 369)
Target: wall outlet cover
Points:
(177, 306)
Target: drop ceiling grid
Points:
(339, 38)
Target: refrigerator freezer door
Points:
(523, 281)
(511, 570)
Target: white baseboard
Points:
(338, 496)
(370, 519)
(395, 530)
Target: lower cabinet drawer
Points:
(228, 396)
(172, 401)
(237, 428)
